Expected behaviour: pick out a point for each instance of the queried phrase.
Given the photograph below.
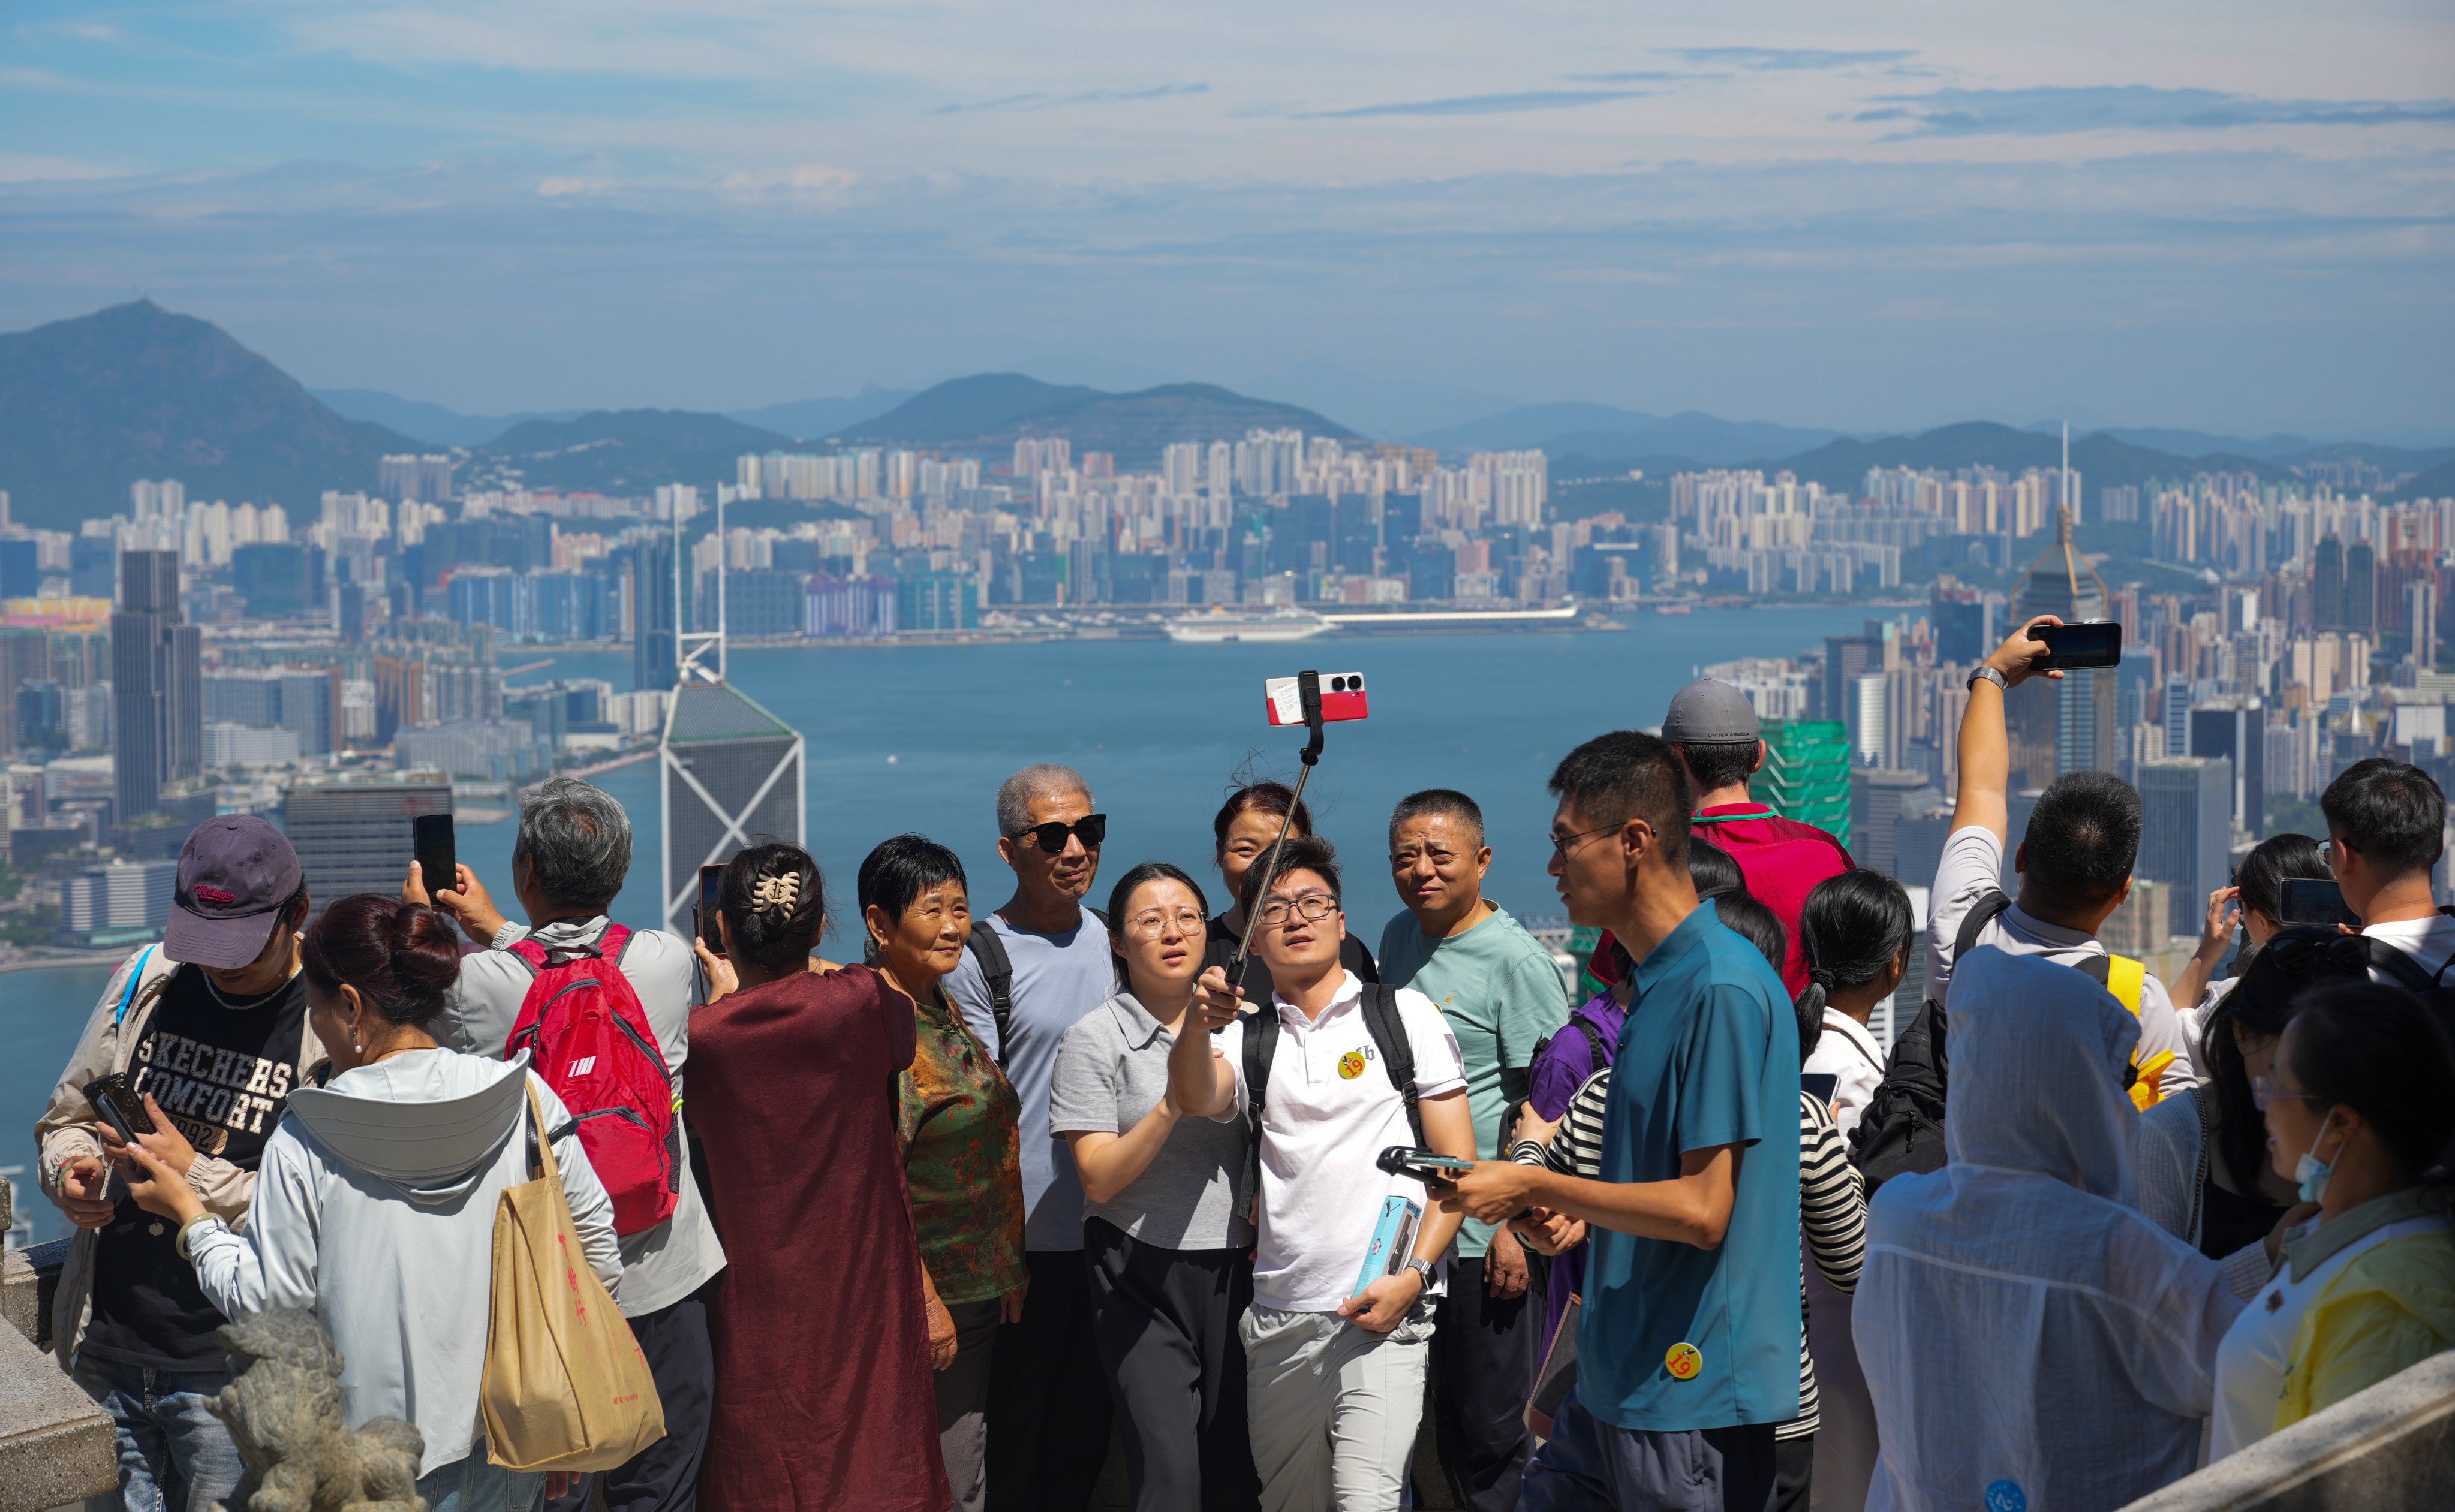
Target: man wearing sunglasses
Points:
(1034, 967)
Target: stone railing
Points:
(55, 1446)
(2389, 1449)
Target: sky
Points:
(2234, 217)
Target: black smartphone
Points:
(711, 896)
(118, 1105)
(2090, 643)
(438, 864)
(1428, 1167)
(2315, 901)
(1820, 1085)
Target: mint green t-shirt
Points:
(1502, 996)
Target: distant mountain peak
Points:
(90, 404)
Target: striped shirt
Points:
(1831, 1204)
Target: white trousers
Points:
(1334, 1409)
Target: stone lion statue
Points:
(284, 1409)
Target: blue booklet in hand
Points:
(1394, 1240)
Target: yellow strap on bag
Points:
(565, 1386)
(2125, 979)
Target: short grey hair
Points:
(1045, 780)
(577, 840)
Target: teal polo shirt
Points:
(1709, 1057)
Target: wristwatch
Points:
(1991, 675)
(1423, 1266)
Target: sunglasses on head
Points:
(1091, 829)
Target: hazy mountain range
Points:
(90, 404)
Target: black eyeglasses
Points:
(1311, 907)
(1091, 829)
(1561, 844)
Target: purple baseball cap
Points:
(236, 873)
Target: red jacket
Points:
(1782, 860)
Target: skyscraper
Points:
(2327, 584)
(158, 685)
(2186, 822)
(732, 776)
(2234, 726)
(2361, 588)
(1806, 773)
(652, 614)
(2067, 725)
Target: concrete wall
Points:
(55, 1444)
(2389, 1449)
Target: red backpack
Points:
(589, 1038)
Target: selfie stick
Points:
(1308, 695)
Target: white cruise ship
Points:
(1223, 625)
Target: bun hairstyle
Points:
(775, 900)
(402, 958)
(1851, 930)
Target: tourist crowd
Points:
(932, 1228)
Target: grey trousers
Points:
(1333, 1409)
(964, 1403)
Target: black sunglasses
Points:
(1091, 829)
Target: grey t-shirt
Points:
(1111, 1071)
(663, 1264)
(1057, 979)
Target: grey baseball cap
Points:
(236, 873)
(1711, 713)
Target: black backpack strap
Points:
(1989, 908)
(1597, 1059)
(997, 974)
(1261, 1048)
(2402, 969)
(1388, 1030)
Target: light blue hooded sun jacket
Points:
(375, 1207)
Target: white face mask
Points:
(2312, 1172)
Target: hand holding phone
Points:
(1430, 1167)
(117, 1104)
(2090, 643)
(438, 864)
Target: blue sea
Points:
(907, 737)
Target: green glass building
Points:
(1806, 773)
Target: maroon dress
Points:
(824, 1392)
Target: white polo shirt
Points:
(1327, 1119)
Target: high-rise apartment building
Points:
(158, 685)
(1879, 796)
(2186, 827)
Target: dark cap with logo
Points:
(1711, 713)
(236, 873)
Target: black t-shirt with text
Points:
(223, 1075)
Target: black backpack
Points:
(997, 973)
(1901, 1132)
(1389, 1031)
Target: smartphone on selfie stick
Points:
(1312, 699)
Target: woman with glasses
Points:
(1244, 829)
(957, 1115)
(1166, 1227)
(2360, 1107)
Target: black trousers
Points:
(1482, 1370)
(1793, 1466)
(1165, 1320)
(664, 1476)
(1049, 1397)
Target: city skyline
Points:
(2235, 224)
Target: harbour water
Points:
(917, 738)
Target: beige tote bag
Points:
(566, 1387)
